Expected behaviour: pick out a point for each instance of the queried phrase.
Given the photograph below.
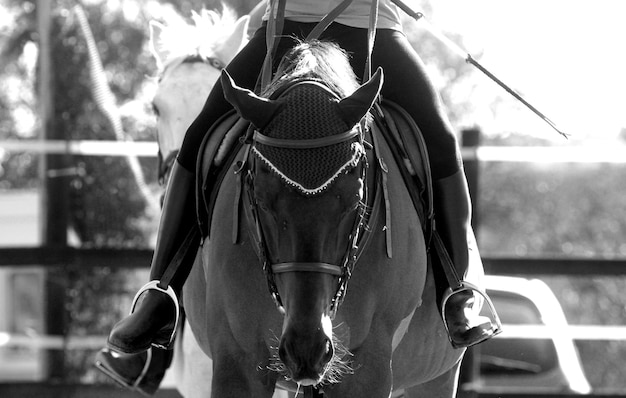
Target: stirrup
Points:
(496, 325)
(154, 285)
(138, 384)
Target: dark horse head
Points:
(306, 187)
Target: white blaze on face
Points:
(327, 326)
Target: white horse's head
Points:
(190, 59)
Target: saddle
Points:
(392, 123)
(409, 150)
(217, 153)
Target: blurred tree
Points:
(17, 97)
(106, 208)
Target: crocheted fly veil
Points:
(309, 111)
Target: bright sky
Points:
(567, 57)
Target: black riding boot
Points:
(453, 214)
(141, 372)
(155, 311)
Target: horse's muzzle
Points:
(306, 355)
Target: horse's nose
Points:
(306, 358)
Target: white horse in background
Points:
(190, 59)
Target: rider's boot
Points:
(453, 216)
(141, 372)
(155, 310)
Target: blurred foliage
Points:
(552, 209)
(525, 209)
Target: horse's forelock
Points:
(311, 79)
(316, 60)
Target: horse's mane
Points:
(323, 61)
(199, 40)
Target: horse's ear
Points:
(235, 41)
(258, 110)
(354, 107)
(156, 43)
(256, 17)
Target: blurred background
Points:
(542, 197)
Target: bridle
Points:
(359, 232)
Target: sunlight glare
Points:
(563, 56)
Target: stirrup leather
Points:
(494, 318)
(154, 285)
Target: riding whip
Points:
(470, 60)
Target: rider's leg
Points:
(154, 315)
(407, 83)
(453, 216)
(153, 319)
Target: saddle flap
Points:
(410, 152)
(218, 148)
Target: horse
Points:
(270, 302)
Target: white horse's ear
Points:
(256, 17)
(237, 39)
(156, 43)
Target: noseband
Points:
(355, 242)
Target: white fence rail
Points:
(531, 154)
